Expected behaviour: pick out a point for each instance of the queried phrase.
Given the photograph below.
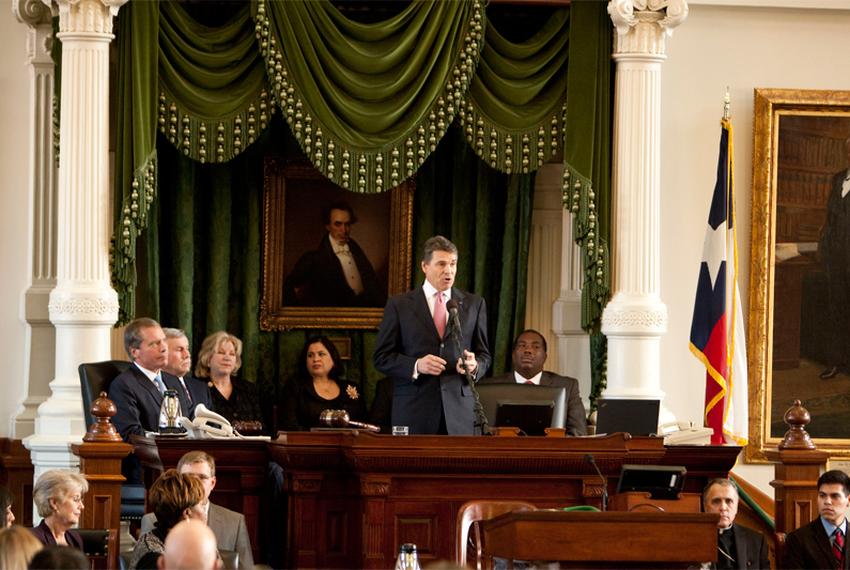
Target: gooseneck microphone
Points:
(456, 333)
(589, 458)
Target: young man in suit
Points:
(529, 354)
(179, 365)
(229, 527)
(137, 392)
(416, 348)
(822, 543)
(737, 546)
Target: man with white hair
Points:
(179, 364)
(190, 546)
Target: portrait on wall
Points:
(331, 257)
(799, 329)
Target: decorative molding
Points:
(371, 487)
(31, 12)
(635, 319)
(643, 25)
(63, 307)
(88, 16)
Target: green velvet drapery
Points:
(366, 102)
(212, 91)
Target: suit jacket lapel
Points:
(422, 311)
(148, 386)
(823, 543)
(545, 379)
(740, 549)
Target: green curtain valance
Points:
(367, 103)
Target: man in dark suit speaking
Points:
(415, 347)
(528, 356)
(338, 273)
(823, 542)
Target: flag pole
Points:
(727, 101)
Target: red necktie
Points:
(440, 314)
(838, 547)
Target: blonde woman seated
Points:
(237, 400)
(173, 497)
(17, 547)
(58, 498)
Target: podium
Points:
(603, 540)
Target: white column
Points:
(83, 306)
(635, 318)
(42, 192)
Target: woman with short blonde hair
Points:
(219, 359)
(58, 497)
(17, 547)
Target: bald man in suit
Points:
(529, 355)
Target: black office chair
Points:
(95, 377)
(101, 547)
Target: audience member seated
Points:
(59, 558)
(190, 544)
(529, 354)
(58, 498)
(822, 543)
(137, 392)
(179, 365)
(17, 547)
(737, 546)
(318, 387)
(173, 497)
(7, 517)
(236, 400)
(231, 532)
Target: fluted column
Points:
(42, 193)
(83, 306)
(636, 317)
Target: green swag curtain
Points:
(368, 104)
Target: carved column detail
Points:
(83, 306)
(42, 193)
(636, 317)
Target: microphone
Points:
(589, 458)
(480, 417)
(340, 419)
(452, 307)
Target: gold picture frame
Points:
(294, 195)
(798, 153)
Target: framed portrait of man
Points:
(331, 257)
(799, 338)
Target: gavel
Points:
(340, 419)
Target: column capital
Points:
(89, 16)
(643, 25)
(31, 12)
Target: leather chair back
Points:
(472, 512)
(101, 547)
(96, 377)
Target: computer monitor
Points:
(526, 406)
(660, 481)
(636, 417)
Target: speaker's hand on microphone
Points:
(471, 363)
(431, 364)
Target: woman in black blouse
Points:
(237, 400)
(318, 387)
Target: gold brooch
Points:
(352, 392)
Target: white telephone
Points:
(210, 425)
(685, 433)
(207, 425)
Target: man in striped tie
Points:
(822, 543)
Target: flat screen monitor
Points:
(637, 417)
(660, 481)
(526, 406)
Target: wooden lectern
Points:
(603, 540)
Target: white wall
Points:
(743, 48)
(14, 212)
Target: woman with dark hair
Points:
(7, 517)
(318, 387)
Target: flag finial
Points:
(727, 102)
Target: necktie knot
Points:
(160, 385)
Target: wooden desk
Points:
(241, 471)
(353, 497)
(579, 538)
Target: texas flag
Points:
(717, 329)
